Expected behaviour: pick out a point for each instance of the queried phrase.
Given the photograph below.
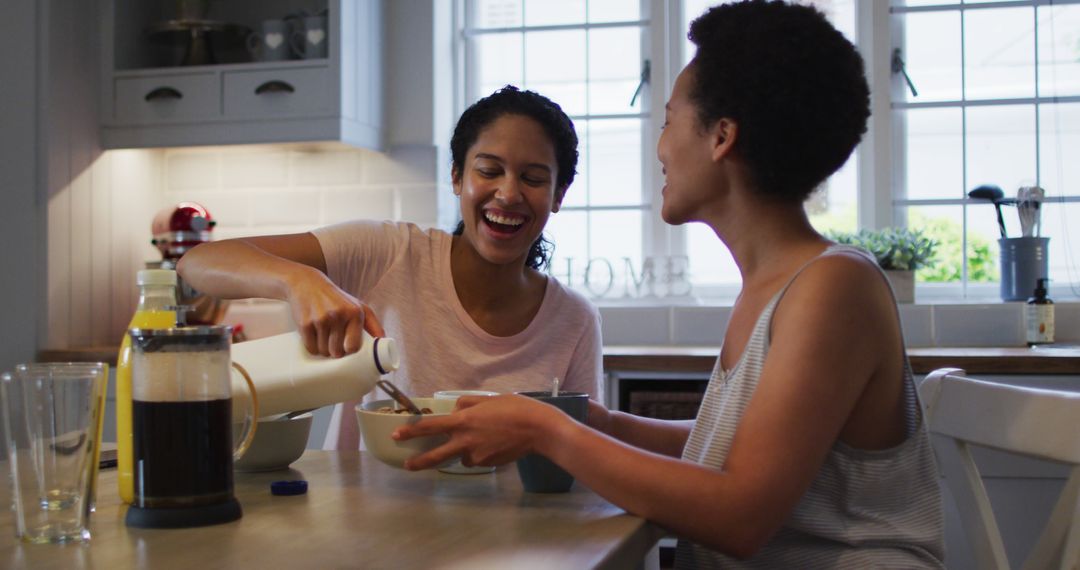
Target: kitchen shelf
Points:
(147, 103)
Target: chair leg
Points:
(1062, 531)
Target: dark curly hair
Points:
(559, 128)
(795, 86)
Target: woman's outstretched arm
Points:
(288, 268)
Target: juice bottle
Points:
(156, 310)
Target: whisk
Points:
(1028, 200)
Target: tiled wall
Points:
(100, 216)
(263, 189)
(991, 324)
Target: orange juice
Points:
(157, 300)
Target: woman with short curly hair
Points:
(810, 449)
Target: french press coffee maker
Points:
(182, 424)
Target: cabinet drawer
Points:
(280, 93)
(166, 99)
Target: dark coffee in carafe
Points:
(182, 444)
(180, 458)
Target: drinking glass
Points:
(52, 426)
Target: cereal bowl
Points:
(376, 428)
(277, 443)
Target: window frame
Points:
(881, 161)
(882, 181)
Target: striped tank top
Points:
(864, 509)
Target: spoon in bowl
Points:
(398, 396)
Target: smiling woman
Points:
(470, 310)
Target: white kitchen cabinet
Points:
(149, 100)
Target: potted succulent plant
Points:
(898, 251)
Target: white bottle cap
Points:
(156, 277)
(386, 355)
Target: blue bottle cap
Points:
(288, 487)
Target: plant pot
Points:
(903, 285)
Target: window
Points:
(998, 102)
(588, 57)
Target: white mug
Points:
(451, 396)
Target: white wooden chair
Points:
(1043, 424)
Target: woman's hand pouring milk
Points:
(330, 321)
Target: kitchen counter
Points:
(1009, 360)
(656, 358)
(359, 512)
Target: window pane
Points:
(615, 235)
(920, 2)
(983, 251)
(1059, 224)
(934, 154)
(555, 67)
(614, 10)
(497, 13)
(604, 239)
(999, 53)
(840, 12)
(710, 260)
(614, 159)
(498, 61)
(614, 70)
(578, 193)
(833, 206)
(944, 224)
(569, 232)
(931, 56)
(1059, 137)
(554, 12)
(1001, 149)
(1059, 50)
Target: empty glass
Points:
(52, 426)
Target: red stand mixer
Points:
(176, 230)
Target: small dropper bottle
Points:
(1039, 316)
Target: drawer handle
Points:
(163, 93)
(274, 86)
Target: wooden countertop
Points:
(359, 512)
(1005, 360)
(923, 360)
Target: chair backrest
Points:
(1038, 423)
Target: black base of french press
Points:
(183, 517)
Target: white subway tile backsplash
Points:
(979, 325)
(418, 204)
(186, 170)
(289, 207)
(255, 169)
(700, 325)
(635, 325)
(1067, 322)
(917, 322)
(227, 208)
(251, 231)
(328, 167)
(404, 165)
(357, 203)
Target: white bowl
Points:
(376, 427)
(277, 443)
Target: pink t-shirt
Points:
(403, 273)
